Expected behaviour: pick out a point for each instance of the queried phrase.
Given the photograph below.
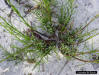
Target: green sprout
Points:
(62, 34)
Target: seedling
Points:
(60, 33)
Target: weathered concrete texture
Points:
(85, 10)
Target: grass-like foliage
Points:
(56, 19)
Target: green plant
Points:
(60, 33)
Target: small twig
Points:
(85, 60)
(88, 52)
(33, 8)
(40, 35)
(11, 12)
(63, 67)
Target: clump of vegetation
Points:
(60, 32)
